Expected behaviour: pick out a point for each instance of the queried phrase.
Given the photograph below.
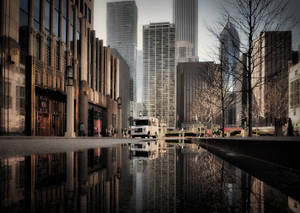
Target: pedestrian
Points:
(81, 129)
(290, 128)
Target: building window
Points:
(295, 93)
(72, 29)
(78, 30)
(6, 99)
(23, 25)
(57, 56)
(47, 16)
(56, 18)
(64, 21)
(182, 52)
(89, 15)
(81, 6)
(38, 47)
(20, 99)
(64, 31)
(37, 14)
(49, 51)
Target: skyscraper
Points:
(122, 35)
(159, 75)
(229, 54)
(185, 15)
(192, 80)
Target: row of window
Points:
(295, 93)
(24, 17)
(6, 101)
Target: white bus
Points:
(144, 127)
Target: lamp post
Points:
(119, 101)
(70, 104)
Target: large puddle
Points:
(142, 177)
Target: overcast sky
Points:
(161, 11)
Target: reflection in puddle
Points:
(147, 176)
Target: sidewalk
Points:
(21, 146)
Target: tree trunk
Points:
(223, 120)
(249, 106)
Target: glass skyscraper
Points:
(122, 36)
(229, 54)
(159, 74)
(185, 15)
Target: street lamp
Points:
(119, 102)
(70, 78)
(70, 103)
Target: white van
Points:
(144, 127)
(144, 150)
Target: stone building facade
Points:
(294, 92)
(40, 41)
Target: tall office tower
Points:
(122, 35)
(272, 52)
(159, 75)
(185, 15)
(192, 80)
(229, 53)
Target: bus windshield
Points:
(141, 123)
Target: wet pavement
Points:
(137, 176)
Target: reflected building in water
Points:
(181, 179)
(154, 183)
(84, 181)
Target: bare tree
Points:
(251, 17)
(215, 98)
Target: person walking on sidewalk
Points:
(81, 129)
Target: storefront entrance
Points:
(96, 122)
(51, 108)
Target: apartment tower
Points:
(159, 74)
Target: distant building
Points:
(159, 74)
(139, 76)
(121, 24)
(124, 74)
(184, 52)
(138, 109)
(242, 95)
(185, 17)
(40, 42)
(229, 54)
(191, 81)
(294, 94)
(271, 54)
